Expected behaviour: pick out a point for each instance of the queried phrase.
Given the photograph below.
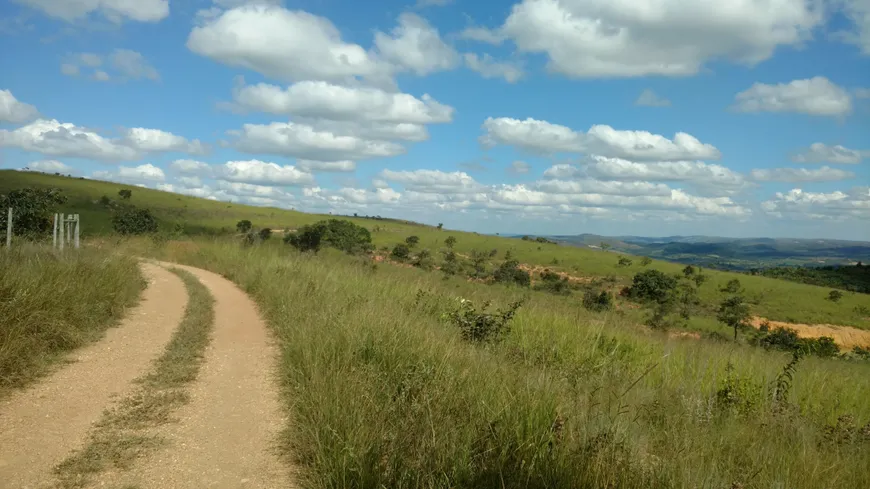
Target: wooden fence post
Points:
(9, 229)
(54, 233)
(78, 220)
(61, 229)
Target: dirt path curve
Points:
(41, 425)
(225, 437)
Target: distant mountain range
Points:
(731, 253)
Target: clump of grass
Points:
(123, 434)
(383, 393)
(52, 303)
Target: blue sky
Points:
(527, 116)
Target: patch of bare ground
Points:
(846, 337)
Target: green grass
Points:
(52, 303)
(123, 434)
(382, 392)
(774, 299)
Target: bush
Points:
(645, 261)
(597, 301)
(554, 283)
(509, 273)
(732, 287)
(131, 220)
(424, 260)
(835, 296)
(652, 286)
(125, 194)
(244, 226)
(787, 339)
(624, 262)
(31, 210)
(339, 234)
(480, 326)
(401, 252)
(450, 241)
(412, 241)
(264, 234)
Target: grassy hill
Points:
(771, 298)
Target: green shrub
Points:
(509, 273)
(131, 220)
(597, 301)
(125, 194)
(339, 234)
(554, 283)
(31, 210)
(412, 241)
(401, 252)
(244, 226)
(479, 326)
(835, 296)
(652, 286)
(264, 234)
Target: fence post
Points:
(61, 229)
(54, 233)
(78, 220)
(9, 229)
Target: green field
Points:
(774, 299)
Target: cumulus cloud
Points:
(664, 171)
(54, 138)
(304, 141)
(543, 137)
(604, 187)
(837, 205)
(317, 99)
(519, 167)
(262, 173)
(822, 153)
(132, 65)
(50, 166)
(433, 181)
(488, 67)
(791, 175)
(415, 46)
(344, 166)
(482, 34)
(144, 174)
(113, 10)
(283, 44)
(14, 111)
(814, 96)
(649, 98)
(125, 64)
(604, 38)
(191, 167)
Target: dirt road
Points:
(41, 425)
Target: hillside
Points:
(774, 299)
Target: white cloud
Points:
(823, 174)
(92, 60)
(343, 166)
(133, 65)
(665, 171)
(376, 196)
(146, 173)
(433, 181)
(837, 205)
(822, 153)
(303, 141)
(54, 138)
(414, 45)
(388, 131)
(544, 137)
(488, 67)
(482, 34)
(649, 98)
(588, 186)
(113, 10)
(862, 93)
(625, 38)
(519, 167)
(155, 140)
(433, 3)
(14, 111)
(263, 173)
(50, 166)
(283, 44)
(319, 99)
(191, 167)
(69, 69)
(813, 96)
(101, 76)
(858, 11)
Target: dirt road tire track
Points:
(41, 425)
(226, 436)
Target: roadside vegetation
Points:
(53, 303)
(411, 379)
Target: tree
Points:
(624, 262)
(835, 296)
(645, 261)
(340, 234)
(264, 234)
(412, 241)
(597, 301)
(450, 241)
(478, 261)
(133, 220)
(688, 271)
(31, 210)
(244, 226)
(510, 273)
(605, 246)
(732, 287)
(733, 312)
(125, 193)
(652, 286)
(440, 226)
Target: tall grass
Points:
(51, 303)
(384, 393)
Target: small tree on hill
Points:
(412, 241)
(734, 312)
(450, 241)
(132, 220)
(125, 193)
(652, 286)
(264, 234)
(244, 226)
(401, 251)
(340, 234)
(835, 296)
(31, 210)
(732, 287)
(440, 226)
(510, 273)
(645, 261)
(689, 271)
(623, 262)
